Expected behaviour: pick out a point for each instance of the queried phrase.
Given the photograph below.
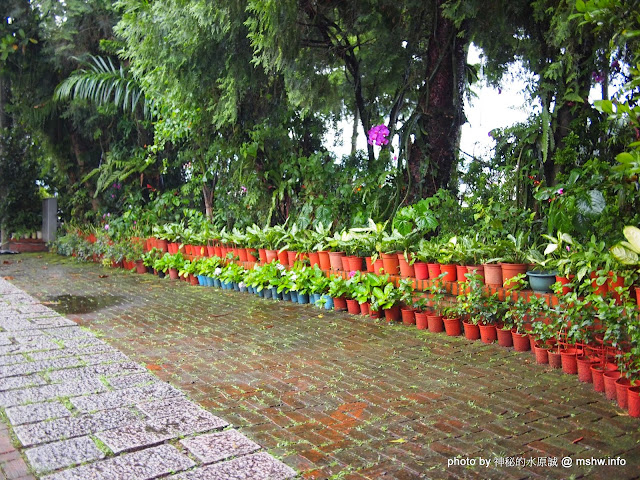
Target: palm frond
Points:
(103, 83)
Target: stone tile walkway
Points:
(331, 395)
(79, 409)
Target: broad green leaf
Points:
(552, 247)
(624, 255)
(632, 234)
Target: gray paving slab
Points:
(141, 465)
(13, 359)
(17, 348)
(24, 381)
(155, 430)
(66, 453)
(213, 447)
(38, 366)
(125, 397)
(172, 407)
(68, 332)
(258, 466)
(50, 392)
(69, 427)
(93, 371)
(36, 412)
(134, 380)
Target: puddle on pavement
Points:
(66, 304)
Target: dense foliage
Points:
(141, 109)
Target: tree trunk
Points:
(433, 153)
(354, 133)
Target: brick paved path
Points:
(336, 396)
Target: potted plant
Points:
(338, 291)
(319, 285)
(514, 255)
(387, 298)
(407, 310)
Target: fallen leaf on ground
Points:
(8, 278)
(7, 262)
(578, 439)
(151, 366)
(399, 440)
(103, 276)
(320, 316)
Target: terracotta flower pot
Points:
(584, 368)
(291, 257)
(374, 313)
(369, 264)
(565, 281)
(173, 274)
(622, 385)
(521, 341)
(393, 314)
(364, 308)
(345, 263)
(449, 271)
(421, 270)
(461, 273)
(598, 289)
(510, 270)
(272, 256)
(140, 268)
(193, 280)
(252, 254)
(325, 260)
(633, 401)
(434, 270)
(408, 316)
(597, 374)
(435, 323)
(613, 284)
(355, 263)
(339, 303)
(314, 259)
(637, 289)
(377, 266)
(542, 354)
(163, 245)
(335, 258)
(406, 270)
(452, 326)
(353, 307)
(505, 339)
(610, 384)
(488, 333)
(555, 360)
(390, 263)
(471, 331)
(493, 274)
(475, 270)
(421, 320)
(283, 257)
(569, 361)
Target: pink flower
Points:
(352, 273)
(560, 191)
(378, 135)
(568, 248)
(106, 227)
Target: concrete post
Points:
(49, 219)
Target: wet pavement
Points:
(329, 394)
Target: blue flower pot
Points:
(259, 293)
(274, 293)
(286, 296)
(267, 292)
(217, 283)
(294, 296)
(236, 286)
(242, 289)
(208, 281)
(201, 280)
(329, 304)
(315, 297)
(541, 282)
(303, 298)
